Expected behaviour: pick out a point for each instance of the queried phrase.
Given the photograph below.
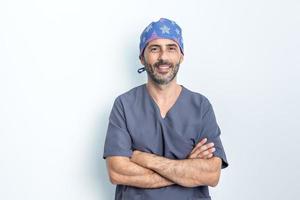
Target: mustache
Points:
(162, 62)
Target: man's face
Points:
(161, 59)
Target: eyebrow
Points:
(168, 45)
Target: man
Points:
(163, 141)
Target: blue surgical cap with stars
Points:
(163, 28)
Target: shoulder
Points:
(130, 96)
(196, 98)
(200, 103)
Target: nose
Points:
(163, 55)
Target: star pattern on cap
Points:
(149, 28)
(165, 29)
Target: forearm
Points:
(124, 172)
(149, 180)
(188, 172)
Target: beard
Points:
(159, 78)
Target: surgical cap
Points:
(163, 28)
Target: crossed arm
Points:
(125, 172)
(147, 170)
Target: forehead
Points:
(162, 42)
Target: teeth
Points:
(164, 66)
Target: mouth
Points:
(163, 68)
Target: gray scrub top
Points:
(135, 122)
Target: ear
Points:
(181, 59)
(142, 59)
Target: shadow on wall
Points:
(100, 179)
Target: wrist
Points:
(139, 158)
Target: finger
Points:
(200, 154)
(196, 153)
(210, 156)
(199, 144)
(202, 142)
(204, 148)
(207, 152)
(204, 154)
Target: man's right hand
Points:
(202, 150)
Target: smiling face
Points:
(161, 59)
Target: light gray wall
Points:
(62, 63)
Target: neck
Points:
(163, 93)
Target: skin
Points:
(162, 59)
(187, 172)
(126, 171)
(166, 51)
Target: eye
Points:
(154, 49)
(172, 48)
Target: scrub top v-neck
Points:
(157, 107)
(135, 123)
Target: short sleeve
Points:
(212, 132)
(118, 140)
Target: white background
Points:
(63, 62)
